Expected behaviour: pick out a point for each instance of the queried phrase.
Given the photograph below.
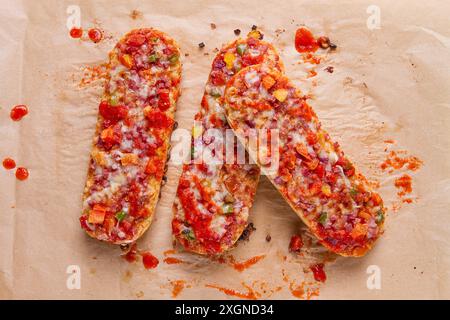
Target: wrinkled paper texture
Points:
(390, 81)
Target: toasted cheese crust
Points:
(212, 204)
(314, 176)
(135, 121)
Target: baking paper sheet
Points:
(388, 83)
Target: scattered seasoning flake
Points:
(22, 173)
(254, 27)
(201, 45)
(76, 33)
(237, 31)
(213, 26)
(312, 73)
(297, 291)
(268, 238)
(178, 286)
(248, 263)
(404, 183)
(318, 272)
(394, 161)
(95, 35)
(149, 260)
(18, 112)
(329, 69)
(305, 41)
(9, 164)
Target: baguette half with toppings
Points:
(314, 176)
(130, 147)
(212, 204)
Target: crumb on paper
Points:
(237, 32)
(279, 31)
(329, 69)
(135, 14)
(178, 286)
(127, 276)
(213, 26)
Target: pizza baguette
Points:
(130, 146)
(212, 203)
(322, 185)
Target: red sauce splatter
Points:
(169, 252)
(312, 73)
(311, 58)
(297, 291)
(305, 41)
(250, 294)
(95, 35)
(22, 173)
(171, 260)
(405, 183)
(131, 255)
(395, 161)
(9, 163)
(318, 272)
(149, 260)
(18, 112)
(76, 32)
(178, 286)
(304, 290)
(296, 243)
(248, 263)
(389, 141)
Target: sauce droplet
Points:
(18, 112)
(305, 41)
(149, 260)
(76, 32)
(318, 272)
(22, 173)
(95, 35)
(9, 163)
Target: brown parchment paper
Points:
(388, 83)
